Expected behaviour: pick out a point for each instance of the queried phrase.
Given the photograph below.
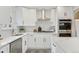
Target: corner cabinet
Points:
(25, 16)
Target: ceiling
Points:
(41, 7)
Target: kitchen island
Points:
(67, 44)
(46, 40)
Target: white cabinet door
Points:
(24, 44)
(53, 47)
(4, 49)
(19, 16)
(42, 42)
(35, 42)
(29, 17)
(65, 12)
(30, 41)
(46, 42)
(39, 42)
(53, 17)
(25, 16)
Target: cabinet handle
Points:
(25, 42)
(54, 45)
(2, 51)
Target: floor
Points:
(38, 51)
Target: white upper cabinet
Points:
(25, 16)
(19, 16)
(53, 16)
(29, 17)
(65, 12)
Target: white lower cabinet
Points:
(38, 41)
(24, 44)
(43, 42)
(30, 41)
(4, 49)
(53, 47)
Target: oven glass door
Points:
(64, 26)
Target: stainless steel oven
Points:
(64, 24)
(65, 27)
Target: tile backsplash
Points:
(45, 25)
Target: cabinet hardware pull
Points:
(54, 45)
(25, 42)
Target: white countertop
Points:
(68, 44)
(9, 40)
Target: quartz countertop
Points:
(68, 44)
(10, 39)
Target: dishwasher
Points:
(16, 46)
